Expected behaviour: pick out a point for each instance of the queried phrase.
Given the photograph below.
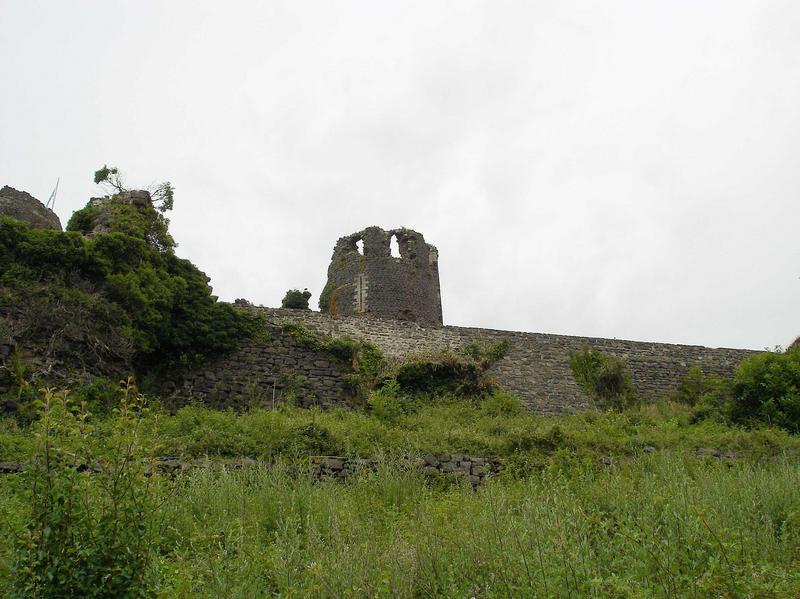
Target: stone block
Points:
(333, 463)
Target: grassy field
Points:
(581, 509)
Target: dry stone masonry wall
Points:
(277, 368)
(473, 468)
(536, 367)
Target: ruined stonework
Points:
(276, 369)
(536, 367)
(105, 218)
(374, 283)
(23, 206)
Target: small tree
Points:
(296, 299)
(766, 388)
(162, 195)
(94, 502)
(695, 384)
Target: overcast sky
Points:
(609, 168)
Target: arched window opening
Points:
(394, 247)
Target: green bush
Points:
(460, 373)
(766, 388)
(605, 379)
(501, 403)
(695, 385)
(325, 298)
(100, 396)
(123, 290)
(387, 403)
(296, 299)
(93, 505)
(440, 374)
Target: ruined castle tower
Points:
(364, 277)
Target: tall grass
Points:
(556, 523)
(659, 526)
(457, 427)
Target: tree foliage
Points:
(162, 195)
(766, 388)
(296, 299)
(109, 294)
(93, 504)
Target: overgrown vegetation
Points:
(691, 496)
(765, 388)
(92, 504)
(581, 507)
(296, 299)
(326, 299)
(606, 379)
(461, 372)
(117, 300)
(366, 362)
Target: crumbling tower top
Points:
(365, 278)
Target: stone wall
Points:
(475, 469)
(276, 368)
(536, 367)
(375, 282)
(23, 206)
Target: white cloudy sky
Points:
(609, 168)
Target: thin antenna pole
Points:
(51, 202)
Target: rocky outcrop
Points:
(23, 206)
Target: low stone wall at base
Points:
(475, 469)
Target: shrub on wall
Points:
(461, 372)
(366, 363)
(766, 388)
(296, 299)
(325, 299)
(605, 379)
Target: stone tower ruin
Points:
(364, 277)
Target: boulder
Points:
(23, 206)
